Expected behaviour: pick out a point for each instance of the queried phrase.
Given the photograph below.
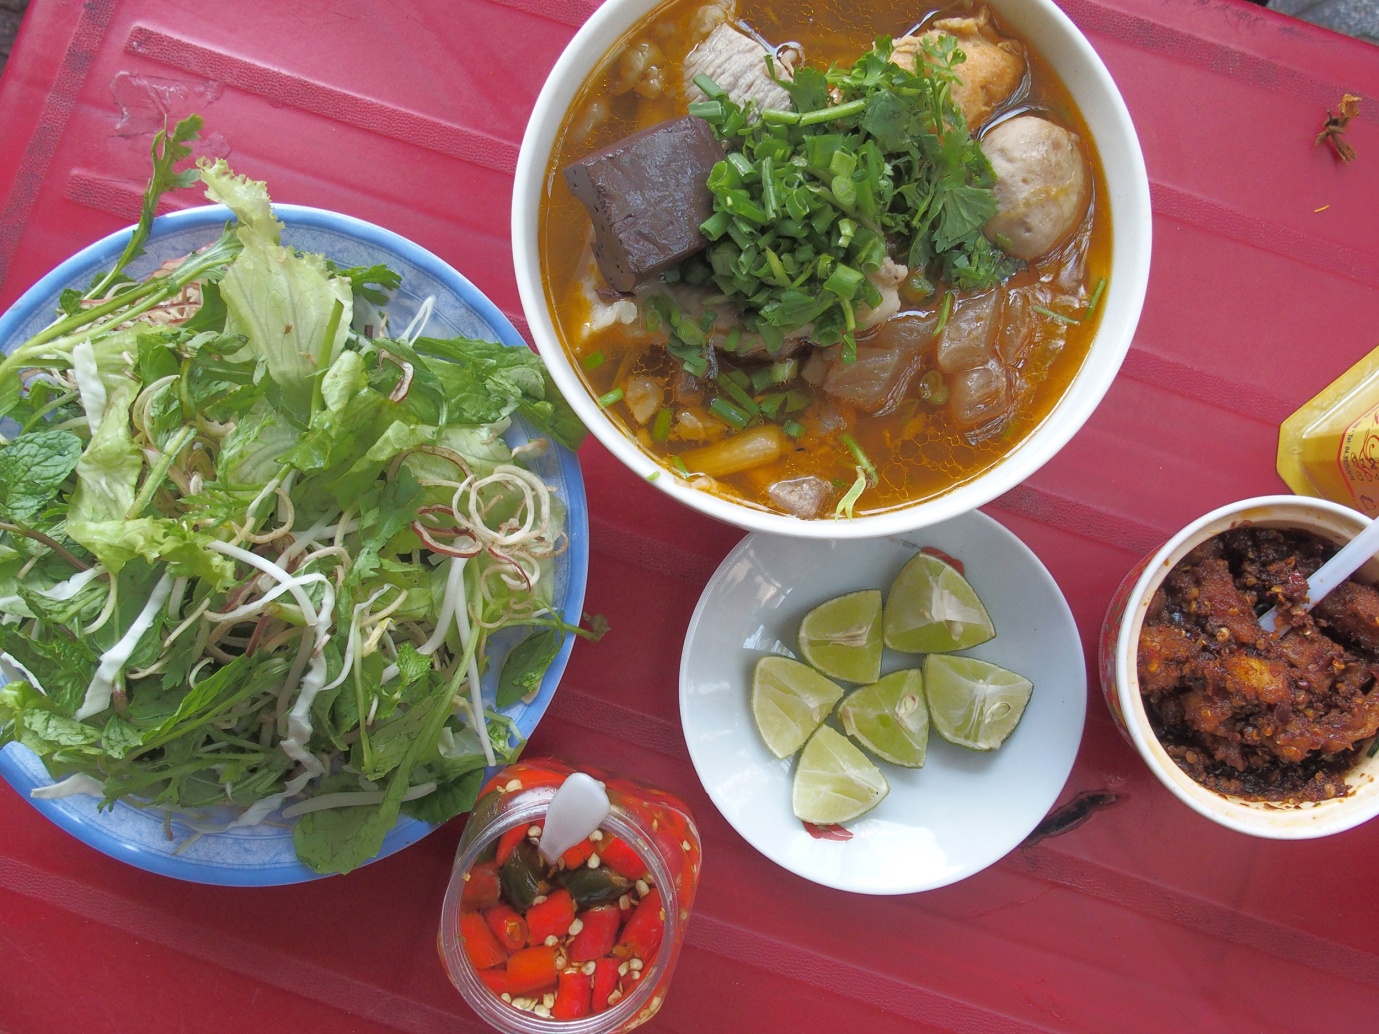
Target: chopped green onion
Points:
(844, 282)
(944, 312)
(716, 225)
(838, 111)
(793, 428)
(861, 457)
(739, 395)
(771, 405)
(1060, 317)
(729, 413)
(594, 360)
(844, 190)
(613, 396)
(660, 429)
(1096, 297)
(679, 465)
(709, 88)
(707, 109)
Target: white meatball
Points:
(1042, 184)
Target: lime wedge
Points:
(789, 700)
(890, 718)
(932, 609)
(974, 703)
(842, 637)
(834, 781)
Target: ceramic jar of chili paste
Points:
(584, 946)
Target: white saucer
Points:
(964, 809)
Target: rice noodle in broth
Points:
(932, 382)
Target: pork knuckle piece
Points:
(993, 71)
(1042, 184)
(737, 63)
(980, 395)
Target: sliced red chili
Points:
(480, 945)
(496, 979)
(579, 854)
(509, 927)
(481, 886)
(571, 995)
(605, 982)
(599, 934)
(509, 840)
(619, 856)
(642, 934)
(531, 969)
(552, 917)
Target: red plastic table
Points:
(1265, 286)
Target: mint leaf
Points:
(32, 469)
(526, 666)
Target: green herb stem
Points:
(47, 540)
(159, 471)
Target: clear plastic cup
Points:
(659, 829)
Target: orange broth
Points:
(916, 448)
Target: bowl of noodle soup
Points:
(855, 363)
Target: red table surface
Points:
(1265, 286)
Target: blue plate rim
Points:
(408, 830)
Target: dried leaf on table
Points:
(1334, 127)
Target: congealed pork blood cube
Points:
(647, 195)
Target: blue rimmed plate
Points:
(263, 855)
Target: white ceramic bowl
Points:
(1119, 647)
(1058, 40)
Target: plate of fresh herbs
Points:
(293, 540)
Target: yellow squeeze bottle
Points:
(1330, 447)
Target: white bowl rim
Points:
(1260, 819)
(1122, 302)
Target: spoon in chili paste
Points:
(1349, 559)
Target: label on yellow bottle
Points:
(1359, 460)
(1330, 447)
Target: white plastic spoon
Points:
(576, 810)
(1336, 570)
